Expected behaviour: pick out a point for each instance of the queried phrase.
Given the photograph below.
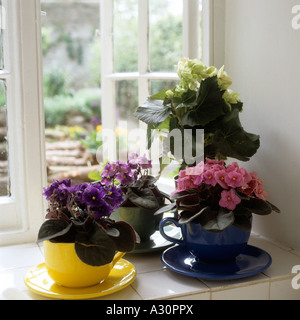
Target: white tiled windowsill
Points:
(154, 281)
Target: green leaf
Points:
(150, 180)
(166, 208)
(126, 240)
(144, 198)
(216, 223)
(257, 206)
(274, 208)
(94, 175)
(188, 216)
(53, 228)
(153, 111)
(95, 247)
(232, 140)
(210, 104)
(160, 95)
(243, 222)
(187, 100)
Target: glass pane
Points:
(165, 34)
(201, 37)
(126, 35)
(72, 86)
(158, 85)
(2, 26)
(4, 173)
(127, 124)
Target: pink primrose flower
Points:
(210, 162)
(220, 178)
(259, 190)
(232, 167)
(229, 199)
(186, 183)
(209, 177)
(234, 179)
(251, 185)
(194, 171)
(246, 176)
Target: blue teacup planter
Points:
(209, 247)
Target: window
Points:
(22, 121)
(159, 34)
(22, 170)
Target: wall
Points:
(262, 54)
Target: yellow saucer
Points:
(38, 280)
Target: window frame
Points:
(23, 212)
(191, 45)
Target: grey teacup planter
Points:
(143, 221)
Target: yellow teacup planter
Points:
(65, 268)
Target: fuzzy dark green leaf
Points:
(232, 140)
(219, 222)
(274, 208)
(243, 222)
(95, 247)
(188, 216)
(166, 208)
(153, 111)
(257, 206)
(53, 228)
(210, 104)
(144, 198)
(126, 240)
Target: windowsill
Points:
(154, 281)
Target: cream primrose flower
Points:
(231, 97)
(224, 80)
(170, 94)
(192, 72)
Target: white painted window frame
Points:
(190, 36)
(23, 212)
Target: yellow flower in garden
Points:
(71, 132)
(99, 128)
(121, 131)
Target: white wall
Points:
(262, 54)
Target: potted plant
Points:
(142, 198)
(216, 202)
(201, 100)
(80, 240)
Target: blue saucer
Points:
(250, 262)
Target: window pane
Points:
(72, 81)
(4, 174)
(126, 35)
(126, 102)
(2, 26)
(158, 85)
(165, 34)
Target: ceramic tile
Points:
(13, 278)
(166, 284)
(258, 291)
(127, 293)
(154, 281)
(14, 294)
(145, 262)
(197, 296)
(20, 256)
(282, 261)
(283, 290)
(220, 285)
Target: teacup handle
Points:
(161, 229)
(117, 257)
